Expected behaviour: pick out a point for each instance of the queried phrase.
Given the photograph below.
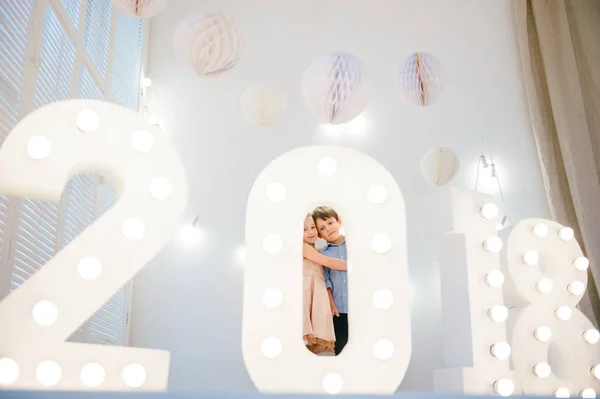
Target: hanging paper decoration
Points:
(419, 78)
(439, 166)
(208, 43)
(140, 8)
(263, 104)
(335, 88)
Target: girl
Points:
(318, 331)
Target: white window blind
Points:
(72, 7)
(128, 62)
(97, 32)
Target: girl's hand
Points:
(334, 310)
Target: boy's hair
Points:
(324, 212)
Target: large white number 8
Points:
(372, 210)
(44, 150)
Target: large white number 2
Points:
(44, 150)
(372, 210)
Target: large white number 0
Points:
(44, 150)
(372, 209)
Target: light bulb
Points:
(92, 375)
(276, 192)
(134, 229)
(504, 387)
(587, 393)
(493, 244)
(160, 188)
(89, 268)
(9, 371)
(273, 244)
(595, 371)
(146, 82)
(531, 258)
(383, 349)
(271, 347)
(190, 235)
(39, 147)
(333, 383)
(581, 263)
(381, 243)
(48, 373)
(562, 392)
(494, 279)
(566, 234)
(488, 211)
(576, 288)
(498, 313)
(543, 334)
(540, 230)
(542, 370)
(88, 120)
(134, 375)
(45, 313)
(327, 167)
(544, 286)
(272, 297)
(240, 255)
(591, 336)
(563, 313)
(500, 350)
(377, 194)
(142, 141)
(383, 299)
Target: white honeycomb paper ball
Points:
(140, 8)
(419, 79)
(263, 104)
(208, 43)
(335, 88)
(439, 166)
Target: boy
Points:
(328, 226)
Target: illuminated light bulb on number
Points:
(494, 279)
(134, 229)
(271, 347)
(142, 141)
(540, 230)
(595, 371)
(383, 299)
(588, 393)
(563, 313)
(504, 387)
(383, 349)
(500, 350)
(9, 371)
(581, 263)
(48, 373)
(542, 334)
(333, 383)
(566, 234)
(576, 288)
(381, 243)
(591, 336)
(92, 375)
(489, 211)
(39, 147)
(160, 188)
(542, 370)
(89, 268)
(134, 375)
(531, 258)
(327, 167)
(498, 313)
(45, 313)
(377, 194)
(493, 244)
(273, 244)
(146, 82)
(190, 234)
(562, 392)
(88, 120)
(544, 286)
(272, 298)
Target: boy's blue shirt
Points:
(337, 280)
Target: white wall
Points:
(190, 301)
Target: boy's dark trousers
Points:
(340, 325)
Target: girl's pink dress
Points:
(318, 333)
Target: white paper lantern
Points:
(335, 88)
(419, 79)
(140, 8)
(439, 166)
(263, 104)
(208, 43)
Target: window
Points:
(52, 51)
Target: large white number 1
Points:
(44, 150)
(372, 211)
